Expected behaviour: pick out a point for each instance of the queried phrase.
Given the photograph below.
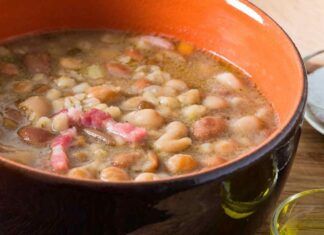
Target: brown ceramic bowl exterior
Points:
(233, 199)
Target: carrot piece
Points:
(185, 48)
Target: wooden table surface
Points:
(304, 22)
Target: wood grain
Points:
(304, 22)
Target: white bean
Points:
(190, 97)
(194, 112)
(80, 173)
(168, 91)
(173, 146)
(38, 105)
(165, 111)
(80, 88)
(148, 163)
(152, 73)
(212, 161)
(53, 94)
(243, 140)
(114, 111)
(60, 122)
(158, 77)
(181, 163)
(206, 148)
(100, 154)
(214, 102)
(101, 106)
(151, 94)
(170, 102)
(151, 97)
(65, 82)
(39, 77)
(224, 147)
(263, 113)
(90, 102)
(132, 103)
(147, 177)
(174, 130)
(80, 96)
(177, 84)
(174, 139)
(70, 63)
(247, 125)
(44, 122)
(229, 80)
(72, 102)
(58, 105)
(148, 118)
(161, 91)
(238, 102)
(113, 174)
(104, 93)
(145, 42)
(95, 71)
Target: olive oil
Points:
(304, 225)
(300, 214)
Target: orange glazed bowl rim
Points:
(199, 177)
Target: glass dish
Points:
(300, 214)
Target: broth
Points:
(116, 106)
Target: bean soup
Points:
(116, 106)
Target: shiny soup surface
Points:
(115, 106)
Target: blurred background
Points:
(303, 20)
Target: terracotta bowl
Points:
(232, 199)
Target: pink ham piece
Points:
(118, 70)
(127, 131)
(98, 119)
(95, 118)
(157, 42)
(59, 158)
(74, 115)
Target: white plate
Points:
(313, 121)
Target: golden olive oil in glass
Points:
(300, 214)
